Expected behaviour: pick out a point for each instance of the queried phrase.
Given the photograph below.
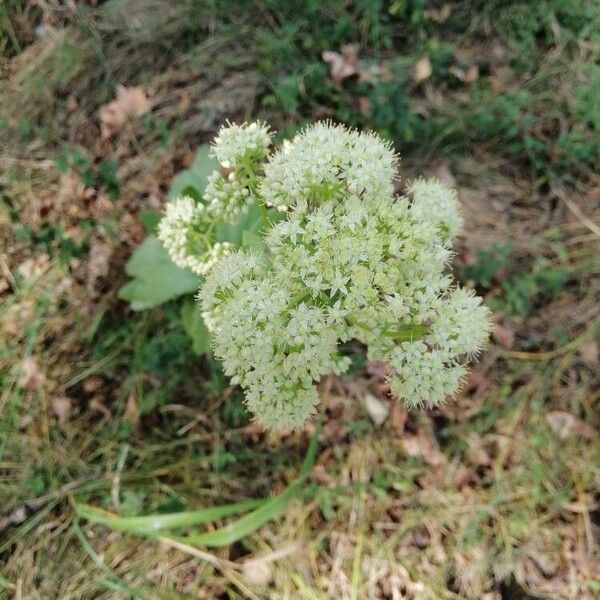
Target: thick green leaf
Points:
(193, 323)
(150, 219)
(249, 222)
(192, 181)
(155, 279)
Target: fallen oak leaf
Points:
(130, 103)
(344, 65)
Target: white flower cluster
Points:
(236, 143)
(431, 198)
(349, 261)
(188, 228)
(325, 162)
(185, 232)
(240, 150)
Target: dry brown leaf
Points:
(422, 445)
(93, 384)
(504, 335)
(32, 267)
(364, 105)
(478, 455)
(439, 15)
(378, 410)
(468, 75)
(132, 410)
(32, 377)
(61, 407)
(102, 206)
(98, 404)
(422, 69)
(130, 103)
(344, 65)
(399, 416)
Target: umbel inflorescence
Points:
(343, 258)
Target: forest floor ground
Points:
(495, 495)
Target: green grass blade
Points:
(264, 510)
(311, 453)
(149, 523)
(257, 518)
(248, 523)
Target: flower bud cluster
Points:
(188, 228)
(326, 161)
(349, 260)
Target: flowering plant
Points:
(342, 257)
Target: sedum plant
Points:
(342, 257)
